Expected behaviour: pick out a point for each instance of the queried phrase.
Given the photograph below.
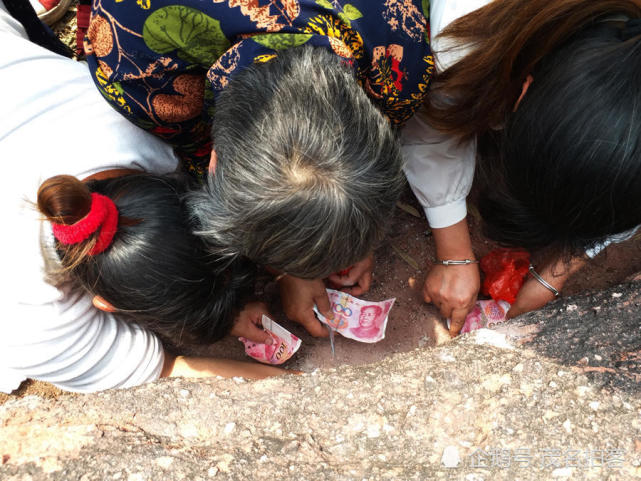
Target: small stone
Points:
(562, 472)
(446, 357)
(567, 425)
(213, 471)
(373, 431)
(553, 385)
(229, 427)
(594, 405)
(223, 464)
(474, 477)
(184, 392)
(571, 308)
(582, 390)
(488, 337)
(429, 379)
(164, 461)
(598, 358)
(451, 457)
(616, 295)
(518, 367)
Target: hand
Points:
(299, 297)
(453, 289)
(533, 295)
(359, 278)
(248, 323)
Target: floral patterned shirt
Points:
(163, 65)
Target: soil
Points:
(402, 263)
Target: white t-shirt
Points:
(56, 122)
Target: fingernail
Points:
(269, 341)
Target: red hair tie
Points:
(103, 215)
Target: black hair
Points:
(155, 272)
(566, 171)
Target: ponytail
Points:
(64, 200)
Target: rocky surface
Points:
(481, 407)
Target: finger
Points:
(365, 281)
(457, 320)
(258, 335)
(353, 291)
(322, 304)
(313, 325)
(426, 293)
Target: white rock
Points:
(488, 337)
(164, 461)
(451, 457)
(594, 405)
(229, 427)
(562, 472)
(567, 425)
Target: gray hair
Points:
(308, 169)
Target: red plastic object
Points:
(505, 271)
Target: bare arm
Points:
(454, 288)
(533, 295)
(182, 366)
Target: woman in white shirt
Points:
(52, 331)
(552, 88)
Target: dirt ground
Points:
(401, 265)
(402, 262)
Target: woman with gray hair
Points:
(306, 201)
(304, 97)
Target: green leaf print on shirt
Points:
(325, 4)
(351, 12)
(282, 41)
(426, 13)
(195, 36)
(348, 13)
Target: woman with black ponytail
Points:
(548, 90)
(104, 277)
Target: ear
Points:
(526, 85)
(100, 303)
(213, 159)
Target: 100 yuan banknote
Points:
(363, 321)
(284, 344)
(485, 314)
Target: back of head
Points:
(571, 153)
(565, 172)
(308, 170)
(155, 271)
